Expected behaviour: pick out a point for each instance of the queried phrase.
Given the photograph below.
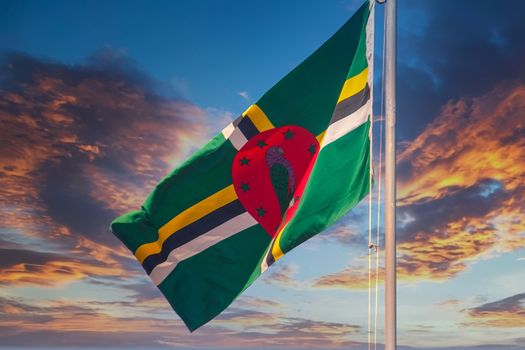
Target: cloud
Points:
(351, 228)
(504, 313)
(461, 180)
(444, 54)
(53, 323)
(50, 270)
(245, 96)
(258, 329)
(470, 141)
(256, 303)
(81, 144)
(449, 303)
(282, 275)
(62, 323)
(352, 277)
(460, 191)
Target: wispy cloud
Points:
(352, 277)
(40, 323)
(282, 275)
(504, 313)
(245, 96)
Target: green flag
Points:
(291, 165)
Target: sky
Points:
(100, 99)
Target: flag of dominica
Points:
(292, 164)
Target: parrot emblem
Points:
(281, 175)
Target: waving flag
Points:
(292, 164)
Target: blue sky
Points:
(206, 51)
(81, 83)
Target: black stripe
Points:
(237, 120)
(351, 104)
(247, 127)
(192, 231)
(269, 256)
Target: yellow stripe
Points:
(354, 85)
(258, 118)
(351, 87)
(188, 216)
(276, 249)
(320, 137)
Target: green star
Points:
(245, 186)
(312, 149)
(261, 143)
(245, 161)
(288, 134)
(260, 211)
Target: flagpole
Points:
(390, 176)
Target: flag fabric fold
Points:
(292, 164)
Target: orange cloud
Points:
(452, 303)
(470, 141)
(462, 185)
(56, 273)
(101, 118)
(443, 255)
(84, 323)
(80, 145)
(60, 323)
(352, 277)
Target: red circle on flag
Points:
(268, 171)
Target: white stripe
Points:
(227, 131)
(237, 138)
(343, 126)
(214, 236)
(264, 264)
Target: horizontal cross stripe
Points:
(345, 125)
(188, 216)
(192, 231)
(351, 104)
(248, 128)
(201, 243)
(259, 118)
(354, 85)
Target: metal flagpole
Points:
(390, 176)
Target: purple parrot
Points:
(281, 175)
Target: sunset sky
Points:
(100, 99)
